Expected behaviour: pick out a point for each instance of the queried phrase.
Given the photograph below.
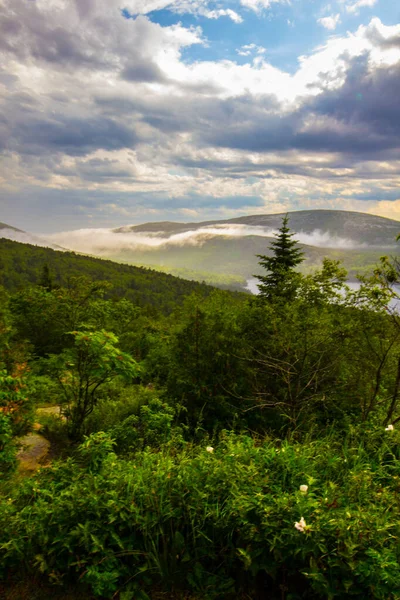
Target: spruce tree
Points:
(280, 281)
(46, 280)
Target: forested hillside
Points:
(222, 252)
(223, 447)
(22, 265)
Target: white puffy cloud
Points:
(249, 49)
(201, 8)
(259, 5)
(354, 7)
(215, 14)
(330, 22)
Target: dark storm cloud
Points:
(360, 118)
(74, 137)
(143, 70)
(96, 169)
(206, 117)
(368, 99)
(25, 33)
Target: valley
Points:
(222, 253)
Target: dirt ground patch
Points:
(33, 452)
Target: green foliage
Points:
(151, 427)
(117, 402)
(205, 369)
(95, 450)
(22, 267)
(44, 316)
(8, 447)
(281, 279)
(294, 363)
(302, 506)
(81, 370)
(324, 286)
(43, 390)
(219, 520)
(46, 279)
(14, 401)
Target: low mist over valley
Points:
(224, 252)
(17, 235)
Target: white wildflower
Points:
(389, 428)
(210, 449)
(304, 489)
(301, 525)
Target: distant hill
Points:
(22, 264)
(359, 228)
(18, 235)
(223, 252)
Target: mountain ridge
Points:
(336, 222)
(19, 235)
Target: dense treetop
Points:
(22, 265)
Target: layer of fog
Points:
(26, 238)
(101, 241)
(252, 286)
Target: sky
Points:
(115, 112)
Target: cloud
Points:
(143, 71)
(26, 238)
(216, 14)
(199, 8)
(249, 49)
(259, 5)
(354, 7)
(330, 22)
(103, 40)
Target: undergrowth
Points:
(295, 520)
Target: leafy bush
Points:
(93, 361)
(43, 390)
(125, 402)
(8, 448)
(311, 520)
(152, 427)
(14, 401)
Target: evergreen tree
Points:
(281, 279)
(46, 280)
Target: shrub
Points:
(152, 427)
(109, 412)
(53, 428)
(81, 371)
(314, 520)
(8, 448)
(43, 390)
(14, 401)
